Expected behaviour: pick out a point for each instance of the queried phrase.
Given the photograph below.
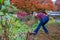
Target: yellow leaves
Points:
(1, 1)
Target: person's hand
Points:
(35, 14)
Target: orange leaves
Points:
(48, 5)
(28, 4)
(13, 1)
(33, 4)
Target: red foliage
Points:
(58, 5)
(33, 4)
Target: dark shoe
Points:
(32, 33)
(47, 33)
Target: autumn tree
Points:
(33, 5)
(58, 5)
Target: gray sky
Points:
(53, 0)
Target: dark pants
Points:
(42, 23)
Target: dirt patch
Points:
(54, 33)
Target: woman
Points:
(43, 18)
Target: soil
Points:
(54, 33)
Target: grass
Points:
(53, 22)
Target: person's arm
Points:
(35, 15)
